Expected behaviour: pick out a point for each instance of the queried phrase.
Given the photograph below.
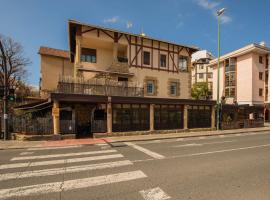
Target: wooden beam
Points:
(121, 34)
(129, 49)
(152, 53)
(147, 46)
(89, 30)
(158, 55)
(115, 37)
(107, 34)
(98, 32)
(128, 39)
(168, 54)
(136, 50)
(141, 51)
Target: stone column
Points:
(213, 118)
(109, 118)
(185, 117)
(56, 121)
(152, 117)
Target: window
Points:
(209, 75)
(163, 60)
(260, 92)
(201, 66)
(261, 75)
(201, 76)
(88, 55)
(123, 79)
(261, 59)
(173, 88)
(150, 88)
(183, 63)
(146, 57)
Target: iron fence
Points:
(37, 126)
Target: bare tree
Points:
(13, 56)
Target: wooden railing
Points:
(105, 87)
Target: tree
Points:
(13, 58)
(200, 90)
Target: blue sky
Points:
(34, 23)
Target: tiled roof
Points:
(53, 52)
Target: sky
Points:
(35, 23)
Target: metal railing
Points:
(107, 87)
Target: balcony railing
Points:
(101, 86)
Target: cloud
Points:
(212, 6)
(111, 20)
(129, 24)
(206, 4)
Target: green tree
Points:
(200, 91)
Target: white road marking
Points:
(48, 148)
(154, 194)
(221, 151)
(62, 155)
(221, 136)
(70, 184)
(201, 138)
(201, 144)
(238, 134)
(26, 153)
(146, 151)
(63, 170)
(62, 161)
(206, 153)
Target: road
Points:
(218, 167)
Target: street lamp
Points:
(219, 13)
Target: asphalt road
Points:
(211, 168)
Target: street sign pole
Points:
(5, 100)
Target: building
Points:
(111, 82)
(243, 76)
(200, 71)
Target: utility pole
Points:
(219, 13)
(5, 99)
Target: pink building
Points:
(243, 76)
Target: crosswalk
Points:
(27, 165)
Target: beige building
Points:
(111, 81)
(244, 76)
(200, 71)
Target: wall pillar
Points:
(56, 116)
(78, 54)
(213, 118)
(152, 107)
(115, 51)
(185, 117)
(109, 118)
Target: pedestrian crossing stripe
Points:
(70, 184)
(62, 155)
(63, 170)
(61, 161)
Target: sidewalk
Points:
(186, 134)
(14, 144)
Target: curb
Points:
(186, 136)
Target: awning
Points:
(35, 105)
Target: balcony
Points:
(99, 86)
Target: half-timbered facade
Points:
(123, 82)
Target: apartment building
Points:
(111, 82)
(244, 76)
(200, 71)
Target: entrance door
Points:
(83, 120)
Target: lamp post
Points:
(219, 13)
